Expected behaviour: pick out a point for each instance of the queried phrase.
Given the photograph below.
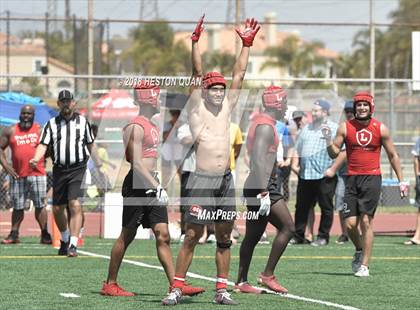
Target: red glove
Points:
(248, 35)
(198, 29)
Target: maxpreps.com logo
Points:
(363, 137)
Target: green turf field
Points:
(32, 277)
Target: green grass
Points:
(32, 277)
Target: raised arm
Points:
(238, 74)
(334, 147)
(197, 69)
(4, 143)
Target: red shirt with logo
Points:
(151, 136)
(23, 143)
(262, 119)
(363, 147)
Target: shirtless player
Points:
(211, 185)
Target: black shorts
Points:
(251, 191)
(210, 198)
(361, 195)
(140, 208)
(67, 184)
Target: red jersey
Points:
(262, 119)
(151, 136)
(23, 144)
(363, 147)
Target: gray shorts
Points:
(30, 187)
(210, 198)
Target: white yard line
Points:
(197, 276)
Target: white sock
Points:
(65, 235)
(73, 241)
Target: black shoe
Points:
(319, 242)
(63, 250)
(342, 239)
(295, 241)
(72, 252)
(45, 238)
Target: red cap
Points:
(146, 92)
(213, 78)
(364, 96)
(273, 97)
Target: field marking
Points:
(212, 257)
(197, 276)
(69, 295)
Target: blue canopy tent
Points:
(9, 113)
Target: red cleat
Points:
(113, 289)
(245, 287)
(189, 290)
(11, 239)
(271, 283)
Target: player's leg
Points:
(110, 287)
(223, 231)
(253, 232)
(367, 236)
(280, 218)
(163, 249)
(192, 235)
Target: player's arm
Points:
(393, 156)
(416, 166)
(93, 151)
(4, 143)
(339, 161)
(263, 139)
(334, 146)
(197, 69)
(239, 69)
(133, 140)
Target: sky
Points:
(335, 37)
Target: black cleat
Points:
(63, 250)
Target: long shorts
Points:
(210, 198)
(67, 184)
(140, 208)
(362, 195)
(30, 187)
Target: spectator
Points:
(416, 152)
(26, 182)
(315, 182)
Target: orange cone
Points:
(56, 235)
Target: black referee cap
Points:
(65, 95)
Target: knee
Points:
(162, 238)
(351, 223)
(365, 222)
(191, 238)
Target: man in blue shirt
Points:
(316, 182)
(283, 161)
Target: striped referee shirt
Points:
(69, 139)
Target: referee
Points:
(71, 140)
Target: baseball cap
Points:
(348, 105)
(325, 105)
(298, 114)
(65, 94)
